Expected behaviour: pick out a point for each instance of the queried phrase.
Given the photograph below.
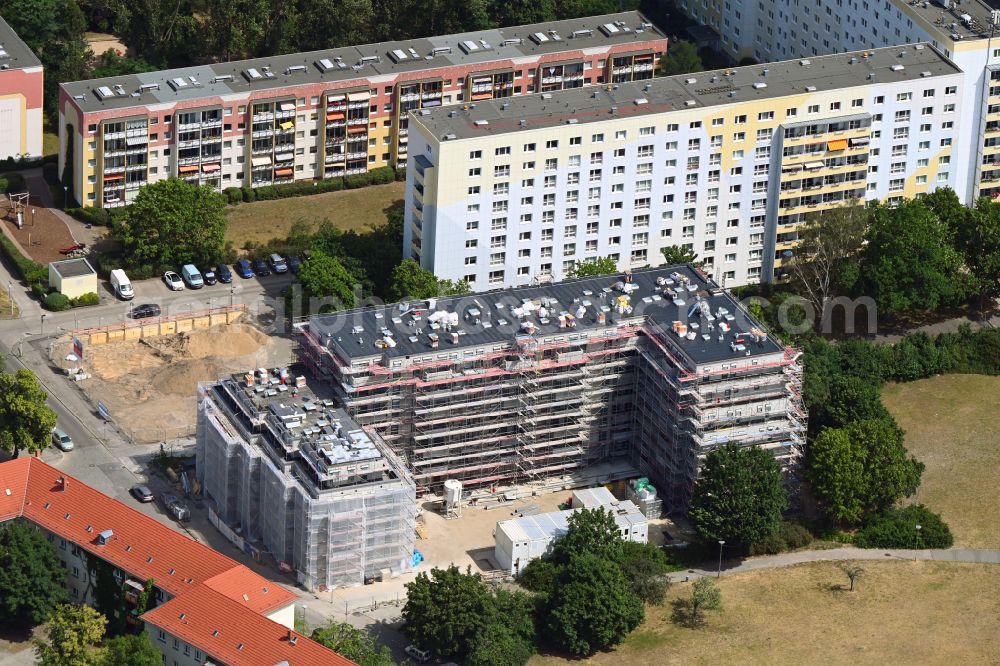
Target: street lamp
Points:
(10, 295)
(722, 543)
(918, 542)
(32, 217)
(41, 326)
(65, 197)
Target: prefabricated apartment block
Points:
(292, 471)
(726, 163)
(21, 79)
(533, 385)
(964, 30)
(325, 113)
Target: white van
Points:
(121, 284)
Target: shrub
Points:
(100, 217)
(57, 302)
(381, 175)
(85, 300)
(357, 180)
(15, 183)
(897, 528)
(234, 195)
(40, 290)
(795, 535)
(539, 576)
(3, 185)
(30, 271)
(769, 545)
(401, 174)
(249, 195)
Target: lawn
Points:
(6, 312)
(50, 143)
(901, 612)
(348, 209)
(951, 425)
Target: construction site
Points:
(564, 385)
(149, 383)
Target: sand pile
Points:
(150, 385)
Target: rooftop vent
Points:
(810, 88)
(295, 69)
(104, 92)
(469, 46)
(481, 123)
(759, 85)
(512, 42)
(223, 78)
(690, 102)
(104, 537)
(324, 65)
(897, 68)
(610, 29)
(539, 37)
(397, 55)
(439, 50)
(639, 101)
(449, 137)
(690, 80)
(805, 62)
(146, 87)
(586, 32)
(252, 75)
(925, 74)
(571, 121)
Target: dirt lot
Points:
(150, 385)
(951, 425)
(348, 209)
(900, 613)
(100, 42)
(42, 239)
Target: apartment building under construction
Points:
(644, 371)
(322, 114)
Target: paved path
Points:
(39, 189)
(981, 556)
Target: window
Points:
(904, 96)
(551, 144)
(475, 172)
(500, 171)
(597, 138)
(505, 150)
(529, 147)
(475, 155)
(621, 135)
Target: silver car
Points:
(62, 440)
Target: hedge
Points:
(379, 176)
(13, 182)
(100, 217)
(30, 271)
(56, 302)
(84, 300)
(897, 528)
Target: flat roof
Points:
(951, 23)
(665, 295)
(14, 53)
(546, 526)
(385, 59)
(701, 89)
(68, 268)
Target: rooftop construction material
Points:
(294, 472)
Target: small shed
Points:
(73, 277)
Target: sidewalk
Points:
(78, 230)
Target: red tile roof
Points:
(233, 634)
(205, 584)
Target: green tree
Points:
(908, 262)
(861, 470)
(645, 566)
(705, 596)
(851, 398)
(32, 580)
(977, 237)
(355, 644)
(324, 277)
(111, 64)
(508, 637)
(681, 58)
(445, 611)
(739, 496)
(675, 254)
(321, 24)
(73, 632)
(853, 573)
(411, 280)
(172, 223)
(824, 262)
(162, 32)
(134, 650)
(591, 531)
(26, 421)
(522, 12)
(592, 268)
(593, 609)
(897, 528)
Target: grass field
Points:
(50, 143)
(901, 612)
(951, 425)
(5, 309)
(348, 209)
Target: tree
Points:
(509, 636)
(321, 24)
(172, 223)
(324, 277)
(592, 268)
(445, 611)
(739, 496)
(590, 531)
(73, 631)
(897, 528)
(165, 32)
(977, 237)
(111, 63)
(594, 608)
(411, 280)
(26, 421)
(851, 398)
(135, 650)
(355, 644)
(522, 12)
(824, 262)
(681, 58)
(676, 254)
(32, 580)
(705, 596)
(853, 573)
(861, 470)
(645, 567)
(908, 262)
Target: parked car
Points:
(294, 264)
(62, 440)
(208, 275)
(175, 507)
(192, 277)
(260, 268)
(223, 273)
(243, 269)
(145, 310)
(173, 281)
(141, 493)
(278, 263)
(418, 655)
(121, 285)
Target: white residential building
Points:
(726, 163)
